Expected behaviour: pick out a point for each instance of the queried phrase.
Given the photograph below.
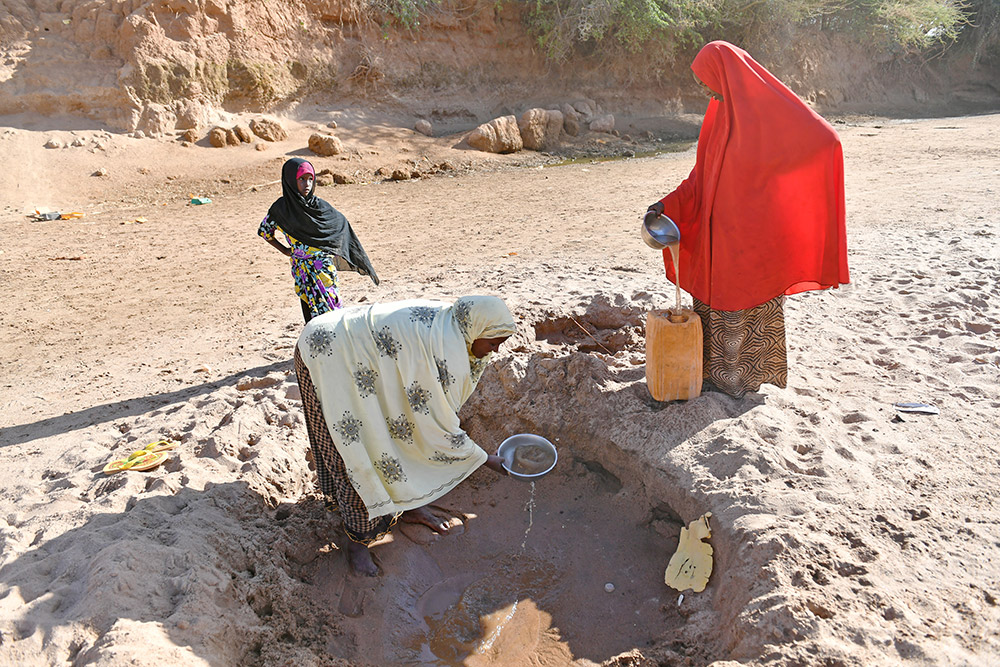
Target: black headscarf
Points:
(312, 221)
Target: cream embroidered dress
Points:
(391, 379)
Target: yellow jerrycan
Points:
(673, 354)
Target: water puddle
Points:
(672, 147)
(474, 619)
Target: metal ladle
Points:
(660, 233)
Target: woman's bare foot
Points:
(360, 559)
(495, 463)
(425, 516)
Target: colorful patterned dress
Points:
(313, 269)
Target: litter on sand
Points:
(691, 565)
(920, 408)
(41, 215)
(200, 200)
(146, 458)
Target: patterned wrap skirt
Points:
(331, 473)
(744, 349)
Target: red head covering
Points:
(762, 212)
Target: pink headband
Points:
(305, 168)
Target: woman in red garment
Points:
(761, 215)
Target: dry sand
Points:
(843, 534)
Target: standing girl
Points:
(320, 240)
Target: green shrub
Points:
(563, 28)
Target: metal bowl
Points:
(515, 442)
(659, 232)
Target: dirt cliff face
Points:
(176, 64)
(160, 66)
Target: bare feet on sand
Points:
(439, 522)
(360, 559)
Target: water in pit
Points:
(526, 578)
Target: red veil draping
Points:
(762, 212)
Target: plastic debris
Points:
(200, 200)
(920, 408)
(609, 587)
(691, 565)
(43, 214)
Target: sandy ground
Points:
(845, 533)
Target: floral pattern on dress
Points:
(386, 344)
(390, 469)
(444, 377)
(314, 271)
(349, 427)
(457, 440)
(400, 428)
(441, 457)
(463, 315)
(423, 314)
(364, 380)
(419, 398)
(320, 341)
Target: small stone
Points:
(423, 127)
(53, 143)
(332, 125)
(100, 172)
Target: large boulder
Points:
(500, 135)
(268, 130)
(571, 120)
(540, 128)
(244, 133)
(604, 123)
(325, 144)
(587, 109)
(217, 137)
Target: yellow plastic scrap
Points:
(691, 565)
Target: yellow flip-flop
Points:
(140, 460)
(159, 446)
